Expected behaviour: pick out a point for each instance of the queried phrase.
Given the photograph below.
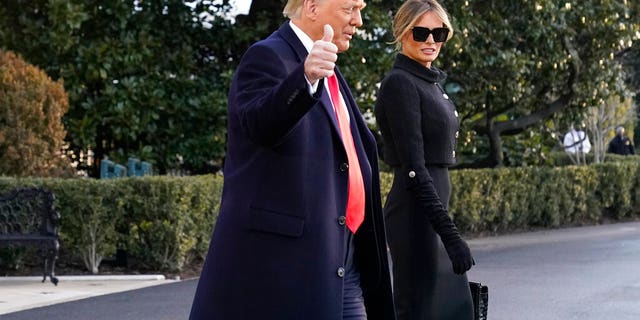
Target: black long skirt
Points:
(425, 287)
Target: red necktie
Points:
(355, 197)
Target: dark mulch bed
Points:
(30, 264)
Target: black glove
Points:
(456, 247)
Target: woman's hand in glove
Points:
(459, 254)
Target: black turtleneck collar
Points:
(432, 74)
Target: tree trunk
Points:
(99, 153)
(496, 156)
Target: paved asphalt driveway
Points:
(162, 302)
(576, 273)
(589, 273)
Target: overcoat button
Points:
(457, 134)
(445, 96)
(454, 154)
(456, 113)
(344, 167)
(412, 174)
(342, 220)
(341, 272)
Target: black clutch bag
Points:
(480, 295)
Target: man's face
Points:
(343, 16)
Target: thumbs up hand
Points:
(322, 58)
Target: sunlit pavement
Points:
(21, 293)
(565, 274)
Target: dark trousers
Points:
(353, 302)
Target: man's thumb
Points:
(328, 33)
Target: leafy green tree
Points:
(142, 76)
(31, 130)
(150, 78)
(516, 64)
(631, 58)
(512, 66)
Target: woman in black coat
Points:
(419, 126)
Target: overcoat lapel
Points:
(328, 107)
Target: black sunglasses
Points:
(420, 34)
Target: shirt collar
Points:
(304, 38)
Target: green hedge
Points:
(161, 222)
(490, 201)
(561, 158)
(164, 223)
(511, 199)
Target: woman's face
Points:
(427, 51)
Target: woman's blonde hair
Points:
(410, 12)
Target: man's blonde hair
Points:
(293, 9)
(410, 12)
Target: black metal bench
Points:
(29, 218)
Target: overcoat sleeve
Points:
(271, 95)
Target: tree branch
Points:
(517, 125)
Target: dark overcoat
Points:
(621, 145)
(279, 242)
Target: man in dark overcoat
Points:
(620, 144)
(283, 248)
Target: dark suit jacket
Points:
(280, 236)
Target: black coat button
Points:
(344, 167)
(341, 272)
(342, 220)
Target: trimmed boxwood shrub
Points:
(164, 223)
(492, 201)
(161, 222)
(510, 199)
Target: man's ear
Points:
(310, 9)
